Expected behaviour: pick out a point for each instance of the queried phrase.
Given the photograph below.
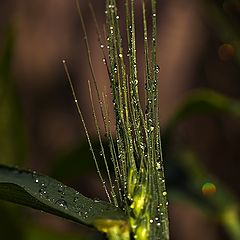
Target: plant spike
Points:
(137, 156)
(138, 135)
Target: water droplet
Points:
(75, 199)
(157, 68)
(61, 188)
(151, 221)
(164, 193)
(42, 191)
(36, 180)
(117, 17)
(158, 166)
(62, 203)
(101, 46)
(120, 55)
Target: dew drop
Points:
(157, 68)
(158, 166)
(62, 203)
(75, 199)
(164, 193)
(42, 191)
(151, 221)
(61, 188)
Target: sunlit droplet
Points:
(62, 203)
(164, 193)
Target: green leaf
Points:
(12, 129)
(203, 101)
(219, 203)
(44, 193)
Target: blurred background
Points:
(199, 59)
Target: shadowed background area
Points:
(198, 47)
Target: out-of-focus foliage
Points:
(187, 178)
(224, 18)
(12, 131)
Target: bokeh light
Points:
(226, 52)
(208, 189)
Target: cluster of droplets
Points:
(77, 206)
(45, 193)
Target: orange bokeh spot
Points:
(226, 51)
(208, 189)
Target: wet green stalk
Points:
(137, 154)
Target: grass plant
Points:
(136, 191)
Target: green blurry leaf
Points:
(203, 101)
(44, 193)
(214, 199)
(12, 131)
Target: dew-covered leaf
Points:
(44, 193)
